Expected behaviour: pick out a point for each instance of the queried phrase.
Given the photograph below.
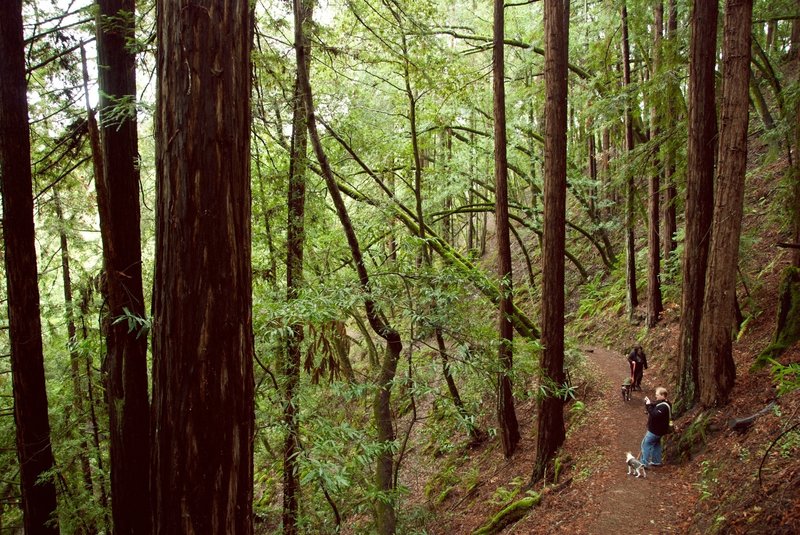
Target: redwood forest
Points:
(388, 267)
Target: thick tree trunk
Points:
(295, 238)
(631, 294)
(506, 415)
(654, 303)
(25, 329)
(551, 431)
(203, 411)
(126, 360)
(699, 194)
(386, 519)
(717, 370)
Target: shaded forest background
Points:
(336, 317)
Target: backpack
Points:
(670, 426)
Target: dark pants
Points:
(637, 376)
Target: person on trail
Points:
(638, 362)
(659, 419)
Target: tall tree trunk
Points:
(126, 359)
(506, 415)
(295, 237)
(699, 194)
(203, 410)
(717, 370)
(654, 304)
(386, 519)
(74, 357)
(25, 329)
(551, 433)
(631, 294)
(795, 258)
(668, 216)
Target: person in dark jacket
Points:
(638, 362)
(659, 419)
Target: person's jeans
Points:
(651, 449)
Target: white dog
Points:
(635, 466)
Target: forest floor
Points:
(597, 495)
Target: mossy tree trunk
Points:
(295, 238)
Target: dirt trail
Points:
(616, 502)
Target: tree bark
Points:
(631, 294)
(203, 410)
(126, 359)
(699, 194)
(551, 432)
(506, 415)
(668, 216)
(717, 370)
(795, 258)
(295, 237)
(34, 450)
(654, 303)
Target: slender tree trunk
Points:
(74, 357)
(717, 370)
(654, 303)
(760, 104)
(93, 420)
(126, 360)
(551, 432)
(668, 216)
(386, 519)
(294, 280)
(631, 295)
(506, 415)
(795, 258)
(699, 194)
(203, 410)
(24, 330)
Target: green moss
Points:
(508, 515)
(682, 446)
(787, 331)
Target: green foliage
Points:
(709, 479)
(602, 295)
(141, 326)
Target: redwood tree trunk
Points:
(126, 361)
(668, 216)
(699, 193)
(654, 304)
(796, 186)
(506, 415)
(551, 431)
(717, 370)
(631, 295)
(202, 467)
(25, 330)
(295, 237)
